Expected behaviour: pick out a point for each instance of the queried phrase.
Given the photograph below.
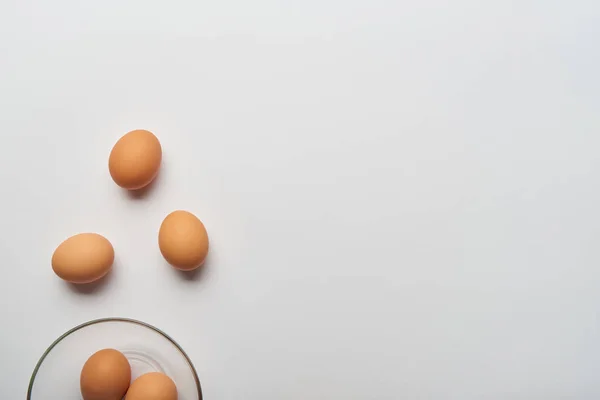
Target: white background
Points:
(401, 196)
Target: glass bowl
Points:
(148, 349)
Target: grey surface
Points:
(402, 196)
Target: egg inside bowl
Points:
(148, 349)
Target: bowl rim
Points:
(112, 319)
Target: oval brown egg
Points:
(152, 386)
(183, 240)
(105, 376)
(83, 258)
(135, 159)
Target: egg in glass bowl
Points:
(147, 349)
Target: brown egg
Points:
(183, 240)
(83, 258)
(135, 159)
(105, 376)
(152, 386)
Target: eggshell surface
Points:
(183, 240)
(83, 258)
(135, 159)
(105, 376)
(152, 386)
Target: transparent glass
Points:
(148, 349)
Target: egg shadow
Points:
(146, 191)
(196, 275)
(93, 287)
